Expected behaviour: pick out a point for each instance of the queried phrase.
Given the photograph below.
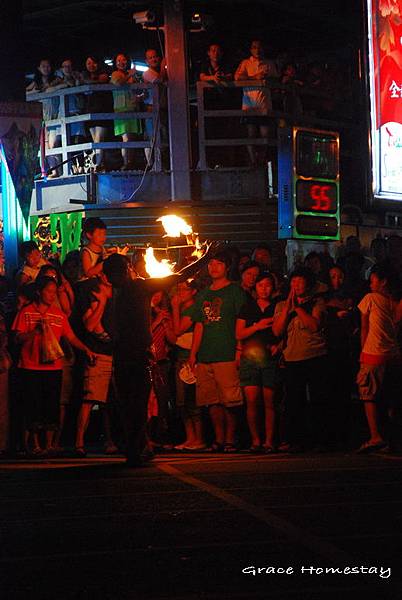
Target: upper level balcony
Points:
(221, 143)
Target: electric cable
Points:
(148, 165)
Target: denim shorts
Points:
(254, 374)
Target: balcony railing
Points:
(290, 102)
(286, 97)
(64, 120)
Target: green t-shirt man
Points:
(217, 310)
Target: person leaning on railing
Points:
(126, 100)
(45, 80)
(75, 102)
(256, 99)
(97, 102)
(217, 72)
(156, 73)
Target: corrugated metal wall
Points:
(244, 224)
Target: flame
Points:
(175, 226)
(156, 268)
(199, 247)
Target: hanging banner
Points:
(385, 60)
(20, 124)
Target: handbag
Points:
(50, 347)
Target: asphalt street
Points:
(200, 527)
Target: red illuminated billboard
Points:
(385, 59)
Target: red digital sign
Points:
(316, 196)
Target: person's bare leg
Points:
(199, 431)
(59, 431)
(49, 435)
(110, 447)
(265, 132)
(230, 422)
(82, 423)
(194, 433)
(252, 133)
(35, 442)
(370, 409)
(98, 135)
(54, 141)
(217, 414)
(127, 153)
(268, 395)
(26, 437)
(252, 395)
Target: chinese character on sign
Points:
(396, 90)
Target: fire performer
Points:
(131, 316)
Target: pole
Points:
(178, 109)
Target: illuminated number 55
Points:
(319, 195)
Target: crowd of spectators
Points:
(123, 99)
(313, 90)
(228, 354)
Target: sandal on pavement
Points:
(37, 453)
(215, 447)
(268, 450)
(110, 448)
(368, 447)
(255, 449)
(289, 448)
(80, 452)
(229, 448)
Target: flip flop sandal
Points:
(80, 452)
(201, 448)
(215, 447)
(255, 449)
(229, 448)
(268, 450)
(366, 448)
(37, 453)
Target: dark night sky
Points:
(57, 29)
(61, 28)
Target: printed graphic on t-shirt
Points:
(33, 318)
(212, 310)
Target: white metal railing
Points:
(64, 120)
(288, 92)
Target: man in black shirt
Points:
(132, 340)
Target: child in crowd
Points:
(65, 302)
(300, 321)
(381, 313)
(163, 337)
(258, 364)
(94, 252)
(38, 328)
(182, 303)
(65, 294)
(33, 261)
(248, 275)
(92, 256)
